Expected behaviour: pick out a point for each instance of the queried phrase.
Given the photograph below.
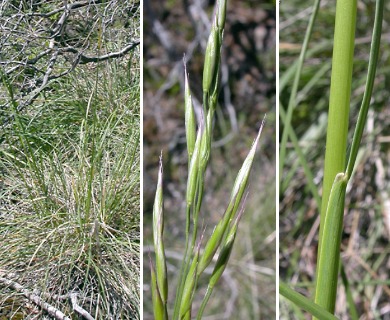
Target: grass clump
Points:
(69, 197)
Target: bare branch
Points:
(44, 41)
(72, 6)
(85, 59)
(78, 309)
(54, 312)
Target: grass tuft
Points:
(70, 197)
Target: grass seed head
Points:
(194, 168)
(226, 249)
(221, 14)
(190, 122)
(158, 221)
(158, 229)
(212, 60)
(243, 175)
(213, 243)
(235, 199)
(160, 311)
(205, 145)
(223, 257)
(189, 287)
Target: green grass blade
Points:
(294, 90)
(329, 248)
(290, 71)
(305, 303)
(374, 54)
(351, 305)
(302, 159)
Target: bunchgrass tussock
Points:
(69, 224)
(199, 251)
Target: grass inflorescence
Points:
(199, 250)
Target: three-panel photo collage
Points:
(194, 159)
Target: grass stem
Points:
(335, 155)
